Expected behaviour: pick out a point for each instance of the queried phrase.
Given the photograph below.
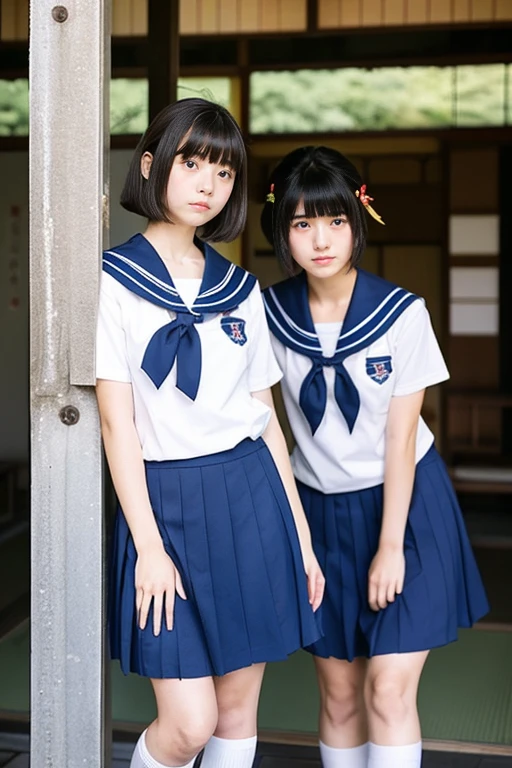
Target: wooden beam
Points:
(163, 53)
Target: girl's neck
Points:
(329, 298)
(175, 245)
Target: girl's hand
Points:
(156, 579)
(316, 580)
(386, 577)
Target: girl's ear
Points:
(145, 164)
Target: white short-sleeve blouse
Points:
(169, 424)
(333, 460)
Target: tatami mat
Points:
(465, 695)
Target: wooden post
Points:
(69, 76)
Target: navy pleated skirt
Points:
(226, 523)
(442, 590)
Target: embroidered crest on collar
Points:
(379, 369)
(234, 328)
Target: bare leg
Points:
(342, 712)
(234, 742)
(187, 717)
(391, 693)
(238, 694)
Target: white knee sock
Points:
(229, 753)
(346, 757)
(408, 756)
(142, 759)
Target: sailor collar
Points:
(138, 266)
(140, 269)
(374, 306)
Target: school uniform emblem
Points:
(379, 369)
(234, 328)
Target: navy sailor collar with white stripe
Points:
(140, 269)
(374, 306)
(137, 265)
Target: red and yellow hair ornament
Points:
(366, 200)
(271, 198)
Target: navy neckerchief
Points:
(374, 306)
(138, 267)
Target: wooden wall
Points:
(473, 248)
(129, 17)
(335, 14)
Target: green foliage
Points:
(128, 106)
(129, 99)
(312, 101)
(128, 102)
(481, 95)
(217, 89)
(13, 107)
(309, 101)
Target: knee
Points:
(237, 714)
(386, 698)
(342, 704)
(186, 738)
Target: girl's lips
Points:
(200, 206)
(323, 260)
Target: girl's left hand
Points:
(386, 577)
(316, 580)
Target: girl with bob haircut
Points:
(213, 572)
(357, 353)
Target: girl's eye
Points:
(301, 225)
(190, 163)
(339, 222)
(225, 174)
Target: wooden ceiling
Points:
(225, 17)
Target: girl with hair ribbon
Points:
(212, 570)
(357, 353)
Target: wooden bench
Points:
(475, 453)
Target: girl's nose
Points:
(206, 182)
(321, 240)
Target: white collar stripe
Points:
(396, 296)
(275, 323)
(167, 289)
(376, 327)
(143, 272)
(162, 299)
(216, 288)
(222, 300)
(376, 311)
(288, 319)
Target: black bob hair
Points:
(190, 128)
(326, 182)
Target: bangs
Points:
(191, 128)
(321, 195)
(214, 138)
(322, 182)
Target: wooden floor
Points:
(14, 753)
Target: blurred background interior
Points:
(418, 93)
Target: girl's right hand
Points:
(156, 579)
(316, 579)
